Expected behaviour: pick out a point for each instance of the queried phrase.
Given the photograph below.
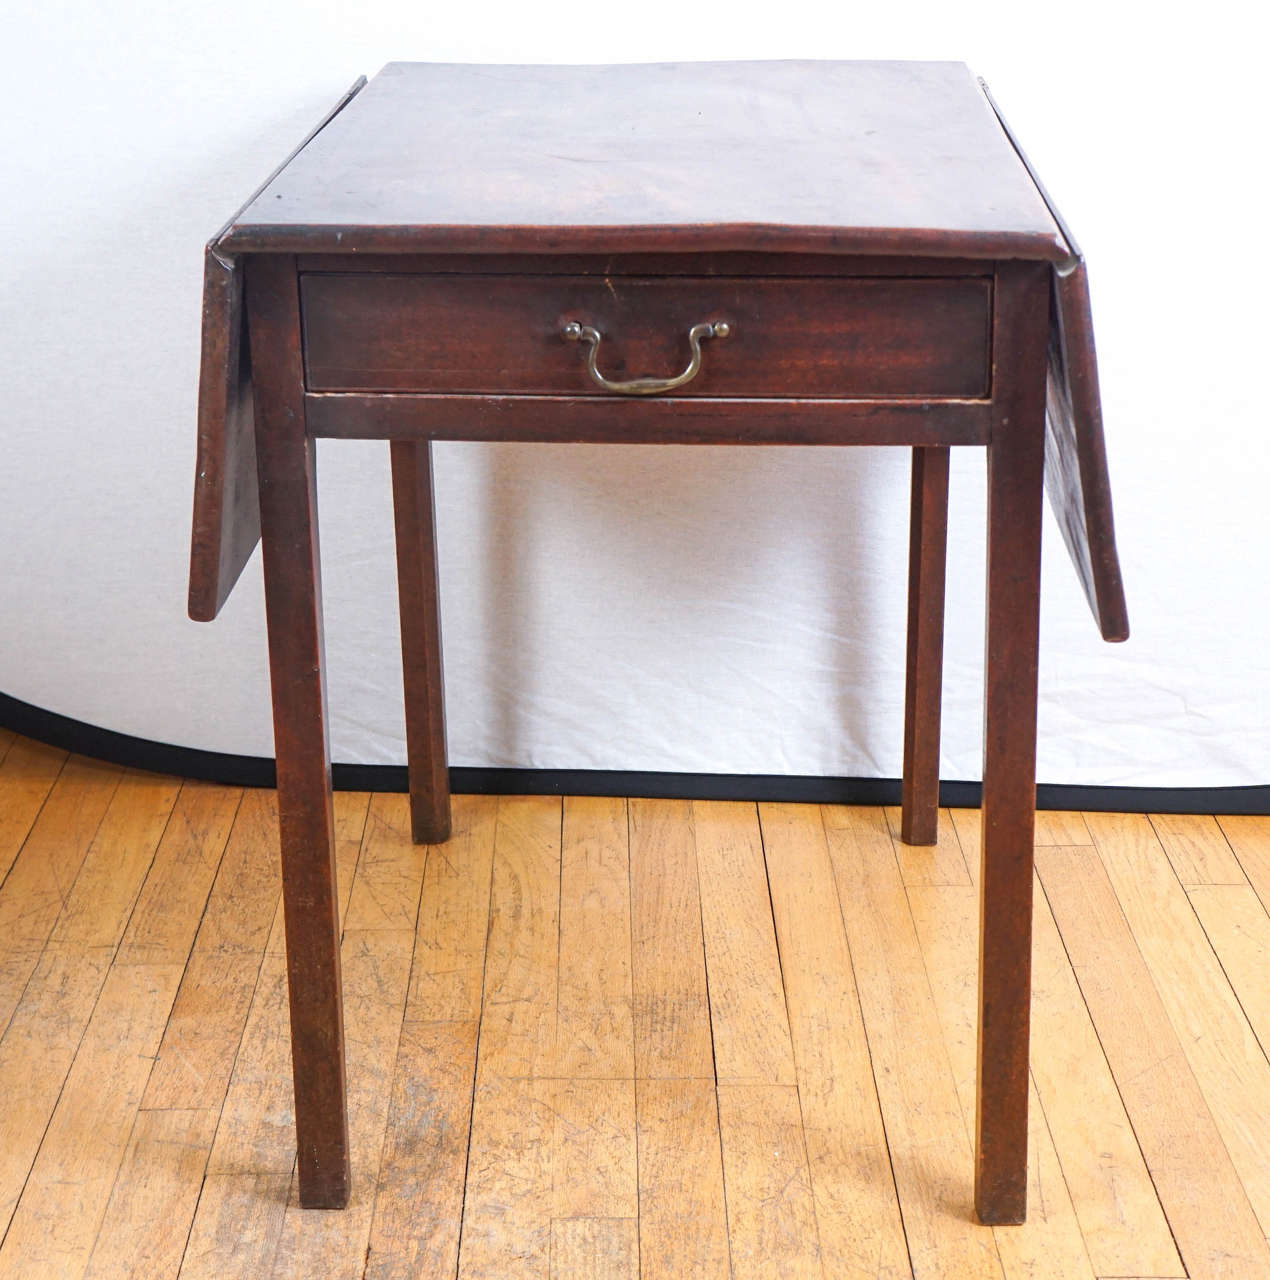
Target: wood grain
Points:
(683, 1227)
(668, 968)
(447, 979)
(747, 1005)
(887, 157)
(594, 1175)
(34, 892)
(1250, 839)
(1216, 1230)
(1197, 848)
(376, 967)
(1238, 930)
(202, 1037)
(925, 1128)
(771, 1218)
(941, 862)
(419, 1199)
(853, 1189)
(27, 774)
(147, 1221)
(594, 1028)
(836, 339)
(945, 919)
(518, 1030)
(66, 1194)
(1120, 1216)
(1214, 1033)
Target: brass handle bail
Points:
(575, 332)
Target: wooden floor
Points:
(610, 1038)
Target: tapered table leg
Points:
(293, 606)
(1015, 473)
(927, 554)
(421, 640)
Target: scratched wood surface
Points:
(599, 1037)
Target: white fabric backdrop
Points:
(713, 610)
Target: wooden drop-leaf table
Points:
(827, 253)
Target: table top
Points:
(850, 157)
(907, 159)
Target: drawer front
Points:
(798, 337)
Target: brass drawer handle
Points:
(575, 332)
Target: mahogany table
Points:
(715, 253)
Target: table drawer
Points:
(838, 338)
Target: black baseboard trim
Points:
(258, 771)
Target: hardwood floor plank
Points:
(242, 1209)
(747, 1002)
(256, 1133)
(518, 1028)
(448, 975)
(237, 1222)
(683, 1227)
(594, 1029)
(36, 1055)
(35, 890)
(390, 871)
(1050, 1241)
(1197, 848)
(163, 923)
(7, 739)
(668, 964)
(940, 863)
(1058, 826)
(930, 1150)
(419, 1200)
(1214, 1226)
(1228, 1063)
(853, 1190)
(1123, 1225)
(243, 915)
(1238, 930)
(116, 866)
(27, 775)
(1250, 839)
(58, 1001)
(65, 1198)
(593, 1150)
(147, 1220)
(196, 1057)
(376, 968)
(594, 1249)
(507, 1210)
(771, 1219)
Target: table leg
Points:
(1015, 472)
(927, 548)
(293, 606)
(421, 640)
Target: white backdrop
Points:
(713, 610)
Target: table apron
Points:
(695, 420)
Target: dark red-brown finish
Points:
(1076, 476)
(923, 690)
(839, 157)
(293, 607)
(894, 274)
(792, 336)
(226, 506)
(1016, 456)
(647, 419)
(417, 592)
(226, 500)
